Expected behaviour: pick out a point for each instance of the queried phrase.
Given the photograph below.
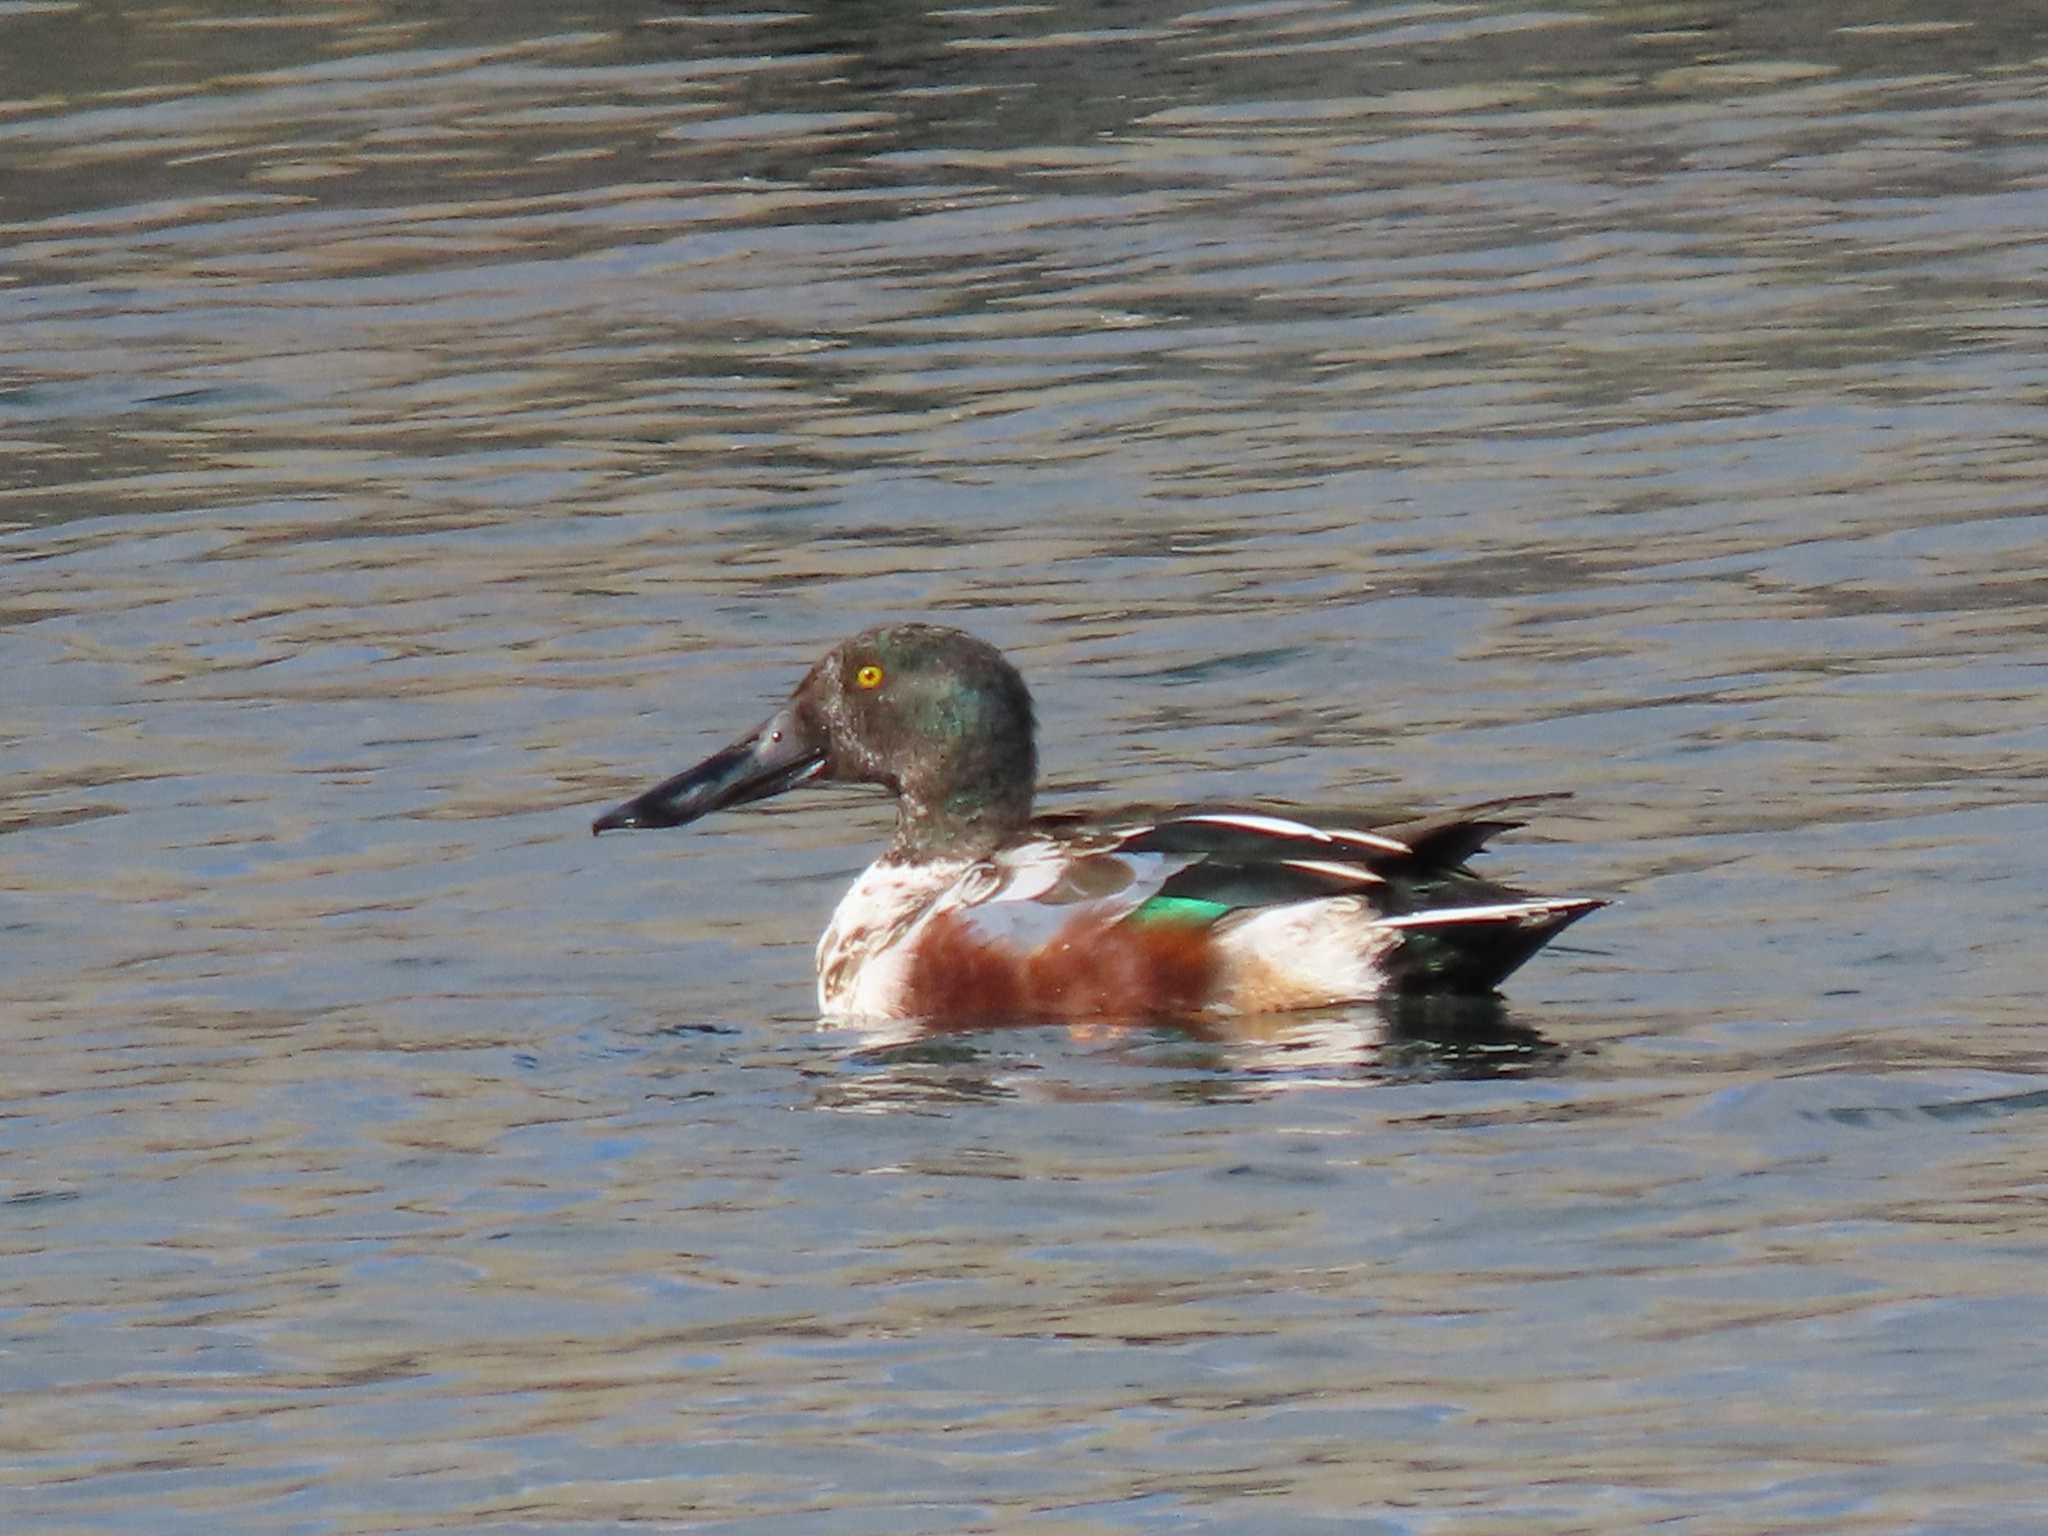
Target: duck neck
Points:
(965, 820)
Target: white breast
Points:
(864, 957)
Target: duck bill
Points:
(778, 756)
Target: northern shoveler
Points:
(979, 910)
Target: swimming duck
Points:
(979, 910)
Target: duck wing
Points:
(1457, 931)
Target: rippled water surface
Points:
(423, 424)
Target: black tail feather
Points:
(1447, 839)
(1475, 949)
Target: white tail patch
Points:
(1496, 912)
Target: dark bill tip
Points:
(777, 757)
(612, 820)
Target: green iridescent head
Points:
(937, 717)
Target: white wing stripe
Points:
(1280, 826)
(1370, 840)
(1249, 821)
(1357, 874)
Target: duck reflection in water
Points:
(1392, 1040)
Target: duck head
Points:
(935, 716)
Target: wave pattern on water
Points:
(421, 426)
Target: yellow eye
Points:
(869, 676)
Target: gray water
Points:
(423, 425)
